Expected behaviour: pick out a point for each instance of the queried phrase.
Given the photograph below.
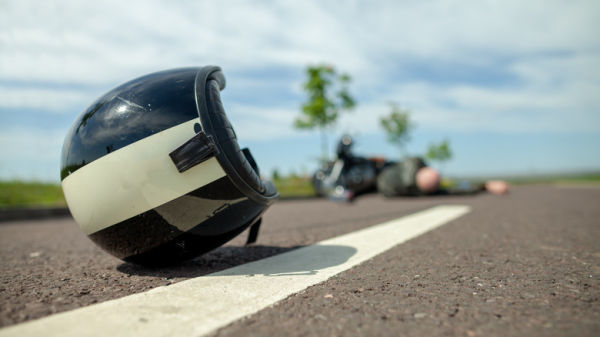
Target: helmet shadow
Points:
(307, 260)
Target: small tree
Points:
(397, 126)
(275, 175)
(323, 106)
(439, 152)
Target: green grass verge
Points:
(588, 178)
(30, 194)
(34, 194)
(15, 194)
(294, 187)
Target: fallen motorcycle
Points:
(348, 175)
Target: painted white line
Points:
(201, 305)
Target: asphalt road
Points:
(523, 264)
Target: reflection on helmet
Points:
(153, 173)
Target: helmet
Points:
(152, 171)
(344, 148)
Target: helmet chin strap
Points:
(200, 148)
(253, 234)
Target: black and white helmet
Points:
(153, 173)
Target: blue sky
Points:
(514, 86)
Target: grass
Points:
(294, 187)
(584, 178)
(15, 194)
(30, 194)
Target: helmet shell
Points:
(126, 192)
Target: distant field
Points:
(587, 178)
(35, 194)
(30, 194)
(291, 187)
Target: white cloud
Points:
(258, 123)
(109, 42)
(54, 100)
(483, 109)
(549, 50)
(104, 41)
(31, 153)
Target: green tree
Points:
(439, 152)
(275, 175)
(328, 96)
(397, 126)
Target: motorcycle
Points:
(348, 175)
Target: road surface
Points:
(523, 264)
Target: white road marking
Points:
(204, 304)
